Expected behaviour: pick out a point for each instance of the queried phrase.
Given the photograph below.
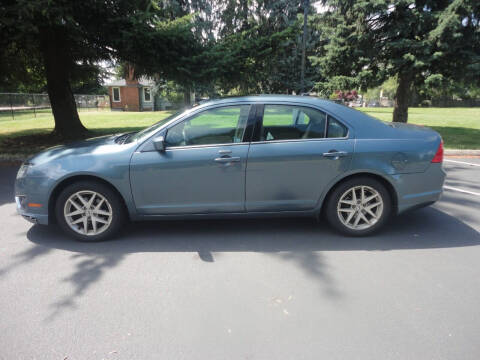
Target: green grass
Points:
(26, 134)
(459, 127)
(97, 121)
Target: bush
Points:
(426, 103)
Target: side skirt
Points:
(251, 215)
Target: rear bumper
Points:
(419, 201)
(419, 189)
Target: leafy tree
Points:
(63, 41)
(419, 41)
(19, 71)
(26, 74)
(259, 47)
(387, 89)
(371, 94)
(247, 46)
(449, 90)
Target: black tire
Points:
(118, 211)
(334, 197)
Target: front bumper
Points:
(31, 198)
(32, 215)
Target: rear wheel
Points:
(89, 211)
(359, 206)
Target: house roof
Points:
(142, 81)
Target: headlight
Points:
(22, 172)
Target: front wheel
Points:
(89, 211)
(359, 206)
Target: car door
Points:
(296, 151)
(201, 170)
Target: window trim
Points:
(251, 118)
(295, 140)
(143, 92)
(113, 94)
(186, 147)
(259, 123)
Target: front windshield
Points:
(151, 129)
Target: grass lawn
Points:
(460, 127)
(27, 134)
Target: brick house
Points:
(135, 95)
(131, 95)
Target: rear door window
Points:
(290, 122)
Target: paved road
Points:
(259, 289)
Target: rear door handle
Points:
(335, 154)
(227, 159)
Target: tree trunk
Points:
(402, 98)
(187, 97)
(58, 63)
(306, 4)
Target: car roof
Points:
(327, 105)
(265, 97)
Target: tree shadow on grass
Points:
(34, 140)
(302, 242)
(459, 137)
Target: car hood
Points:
(82, 147)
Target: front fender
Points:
(109, 164)
(121, 185)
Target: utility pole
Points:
(306, 4)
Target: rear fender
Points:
(397, 156)
(387, 180)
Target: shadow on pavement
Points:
(7, 182)
(302, 242)
(421, 229)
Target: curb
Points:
(13, 159)
(455, 152)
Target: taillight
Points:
(438, 158)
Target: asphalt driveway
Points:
(256, 289)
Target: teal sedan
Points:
(238, 157)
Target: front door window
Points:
(224, 125)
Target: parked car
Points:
(238, 157)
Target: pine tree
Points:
(365, 42)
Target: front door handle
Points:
(227, 159)
(335, 154)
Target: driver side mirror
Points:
(159, 143)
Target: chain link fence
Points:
(23, 106)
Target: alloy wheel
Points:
(88, 213)
(360, 207)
